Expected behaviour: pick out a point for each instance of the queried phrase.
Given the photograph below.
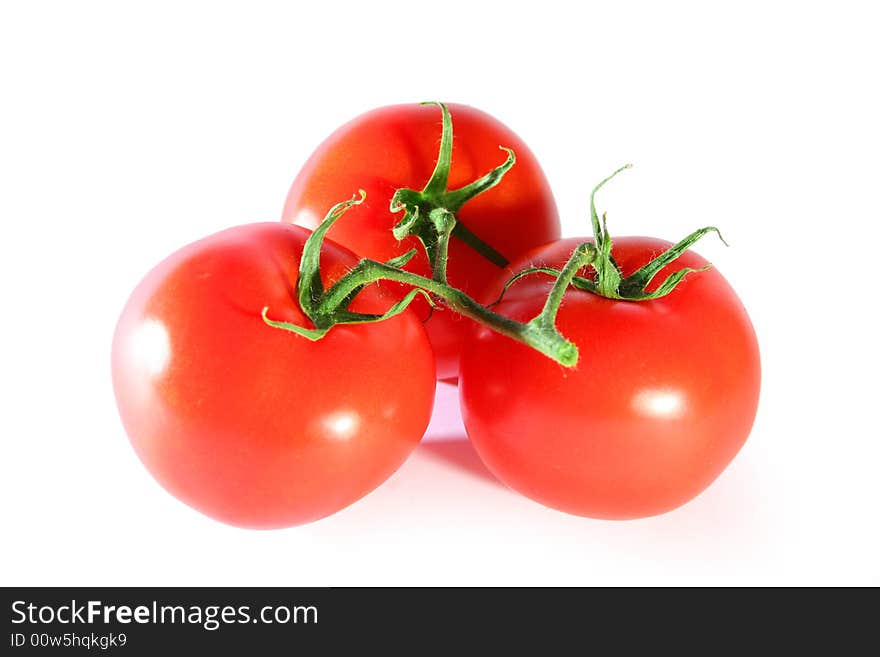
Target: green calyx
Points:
(430, 213)
(313, 299)
(609, 281)
(326, 308)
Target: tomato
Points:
(255, 426)
(662, 398)
(396, 147)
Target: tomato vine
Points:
(430, 215)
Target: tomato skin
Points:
(663, 397)
(252, 425)
(396, 146)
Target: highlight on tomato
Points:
(392, 153)
(663, 395)
(258, 427)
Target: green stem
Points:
(420, 207)
(444, 223)
(434, 224)
(533, 333)
(582, 256)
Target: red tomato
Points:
(662, 398)
(255, 426)
(397, 146)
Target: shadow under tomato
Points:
(457, 452)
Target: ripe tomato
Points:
(397, 146)
(255, 426)
(662, 398)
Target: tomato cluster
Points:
(263, 428)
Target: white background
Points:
(130, 129)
